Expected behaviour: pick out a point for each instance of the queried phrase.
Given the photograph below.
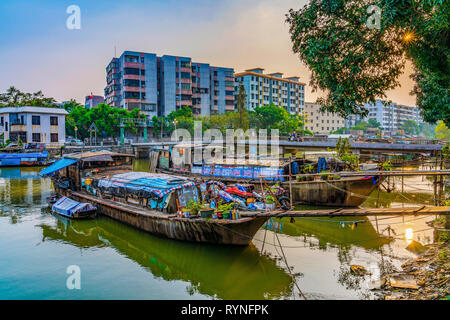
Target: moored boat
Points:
(72, 209)
(23, 159)
(150, 202)
(345, 192)
(336, 192)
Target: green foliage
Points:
(357, 65)
(194, 207)
(344, 154)
(446, 150)
(410, 127)
(387, 166)
(339, 131)
(243, 117)
(372, 123)
(272, 117)
(13, 97)
(442, 131)
(427, 130)
(270, 199)
(106, 118)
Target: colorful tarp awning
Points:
(158, 184)
(58, 165)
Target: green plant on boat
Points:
(194, 207)
(344, 154)
(387, 166)
(225, 207)
(446, 150)
(270, 199)
(325, 176)
(308, 168)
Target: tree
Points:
(242, 119)
(372, 123)
(362, 125)
(70, 105)
(442, 131)
(427, 130)
(356, 64)
(182, 118)
(339, 131)
(13, 97)
(410, 127)
(105, 117)
(273, 117)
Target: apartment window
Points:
(185, 75)
(133, 83)
(134, 71)
(1, 121)
(36, 137)
(53, 121)
(185, 86)
(54, 137)
(36, 120)
(131, 59)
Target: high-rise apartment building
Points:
(390, 116)
(160, 85)
(93, 101)
(321, 122)
(263, 89)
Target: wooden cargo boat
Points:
(146, 201)
(343, 192)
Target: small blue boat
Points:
(23, 159)
(73, 209)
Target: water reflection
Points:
(219, 272)
(319, 251)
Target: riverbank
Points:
(426, 277)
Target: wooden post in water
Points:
(435, 183)
(290, 181)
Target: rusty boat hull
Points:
(222, 232)
(345, 192)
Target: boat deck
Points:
(129, 208)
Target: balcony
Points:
(134, 77)
(133, 65)
(133, 89)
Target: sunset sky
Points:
(38, 52)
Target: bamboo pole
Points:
(290, 182)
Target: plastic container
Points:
(206, 213)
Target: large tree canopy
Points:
(13, 97)
(356, 64)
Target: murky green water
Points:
(119, 262)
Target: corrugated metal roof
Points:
(90, 154)
(31, 109)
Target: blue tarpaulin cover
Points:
(67, 207)
(58, 165)
(158, 184)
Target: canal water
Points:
(120, 262)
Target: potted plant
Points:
(194, 207)
(270, 202)
(324, 176)
(206, 211)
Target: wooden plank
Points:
(353, 212)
